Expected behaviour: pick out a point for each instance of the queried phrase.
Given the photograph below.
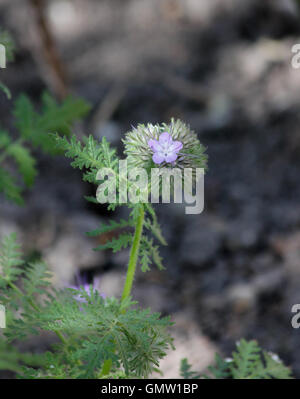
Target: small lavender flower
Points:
(164, 149)
(169, 145)
(81, 282)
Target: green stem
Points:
(61, 337)
(14, 287)
(106, 367)
(133, 255)
(133, 258)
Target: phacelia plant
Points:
(96, 336)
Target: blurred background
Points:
(224, 67)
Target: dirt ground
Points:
(225, 68)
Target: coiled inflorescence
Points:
(166, 145)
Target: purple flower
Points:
(164, 149)
(81, 282)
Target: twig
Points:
(48, 47)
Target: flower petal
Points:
(171, 157)
(165, 138)
(154, 145)
(176, 146)
(158, 158)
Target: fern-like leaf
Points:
(246, 359)
(111, 226)
(186, 370)
(36, 127)
(26, 163)
(116, 244)
(10, 260)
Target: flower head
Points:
(164, 149)
(168, 145)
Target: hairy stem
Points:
(133, 258)
(133, 255)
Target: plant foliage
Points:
(90, 156)
(17, 162)
(249, 361)
(91, 330)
